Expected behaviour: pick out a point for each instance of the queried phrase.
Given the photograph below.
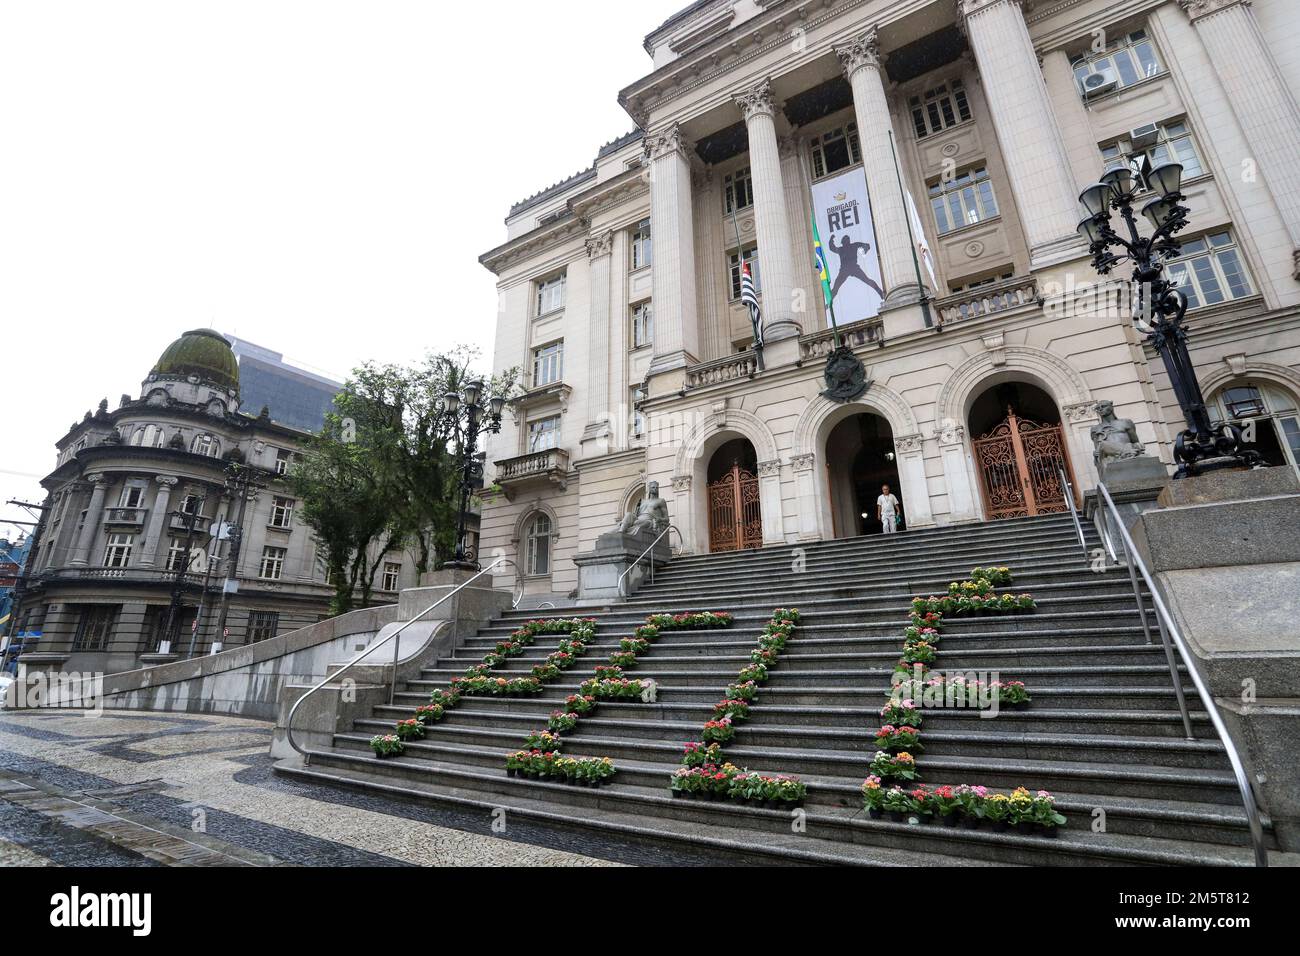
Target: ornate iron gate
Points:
(735, 516)
(1019, 463)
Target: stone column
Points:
(1261, 101)
(914, 490)
(805, 483)
(684, 516)
(769, 500)
(676, 342)
(599, 249)
(808, 307)
(708, 245)
(1072, 118)
(94, 516)
(963, 502)
(771, 224)
(1032, 149)
(862, 65)
(150, 554)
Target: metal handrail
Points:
(1169, 628)
(1074, 512)
(660, 537)
(375, 646)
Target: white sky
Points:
(316, 176)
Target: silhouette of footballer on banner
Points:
(848, 252)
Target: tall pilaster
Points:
(676, 342)
(771, 224)
(862, 65)
(709, 247)
(599, 253)
(94, 517)
(1263, 104)
(1027, 129)
(150, 554)
(809, 310)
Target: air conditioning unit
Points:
(1099, 81)
(1145, 136)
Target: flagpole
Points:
(740, 264)
(830, 299)
(911, 237)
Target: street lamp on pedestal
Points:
(1160, 306)
(467, 418)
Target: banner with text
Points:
(843, 214)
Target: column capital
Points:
(167, 481)
(665, 142)
(862, 51)
(756, 101)
(95, 479)
(1198, 9)
(601, 244)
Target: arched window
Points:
(148, 436)
(537, 543)
(205, 444)
(1269, 416)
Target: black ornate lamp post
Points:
(466, 420)
(1161, 306)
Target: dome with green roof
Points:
(201, 352)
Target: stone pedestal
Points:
(1134, 483)
(1225, 553)
(600, 569)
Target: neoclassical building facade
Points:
(115, 538)
(969, 129)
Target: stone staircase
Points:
(1102, 733)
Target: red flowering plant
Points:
(944, 801)
(873, 794)
(429, 713)
(921, 652)
(919, 801)
(411, 729)
(614, 688)
(386, 745)
(545, 672)
(915, 635)
(752, 672)
(445, 698)
(580, 704)
(734, 709)
(889, 737)
(696, 754)
(608, 671)
(571, 647)
(510, 648)
(691, 620)
(763, 656)
(719, 731)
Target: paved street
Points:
(142, 789)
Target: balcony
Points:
(1004, 296)
(855, 335)
(551, 465)
(125, 518)
(729, 368)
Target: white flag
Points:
(918, 236)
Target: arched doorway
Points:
(1020, 451)
(860, 459)
(735, 509)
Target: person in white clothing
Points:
(887, 510)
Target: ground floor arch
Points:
(860, 461)
(734, 499)
(1020, 450)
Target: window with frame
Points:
(1209, 270)
(1268, 415)
(1131, 59)
(642, 246)
(733, 267)
(550, 294)
(117, 552)
(835, 150)
(282, 512)
(205, 444)
(737, 190)
(177, 555)
(548, 364)
(132, 495)
(283, 460)
(148, 436)
(538, 545)
(191, 503)
(272, 566)
(262, 625)
(544, 433)
(94, 627)
(1175, 144)
(392, 575)
(642, 325)
(964, 201)
(639, 395)
(935, 110)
